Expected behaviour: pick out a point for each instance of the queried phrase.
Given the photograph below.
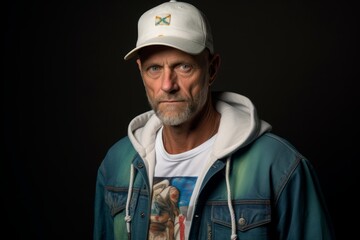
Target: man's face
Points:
(176, 83)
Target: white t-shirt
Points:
(174, 181)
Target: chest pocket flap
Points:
(249, 214)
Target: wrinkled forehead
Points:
(159, 51)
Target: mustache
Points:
(166, 98)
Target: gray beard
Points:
(175, 120)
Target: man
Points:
(200, 165)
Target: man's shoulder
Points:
(123, 142)
(270, 151)
(120, 152)
(272, 143)
(115, 167)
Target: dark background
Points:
(68, 95)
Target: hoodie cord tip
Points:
(127, 218)
(127, 208)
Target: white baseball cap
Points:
(175, 24)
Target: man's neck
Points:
(178, 139)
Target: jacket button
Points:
(140, 165)
(142, 214)
(242, 221)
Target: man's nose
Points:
(169, 80)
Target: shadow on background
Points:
(68, 96)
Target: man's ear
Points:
(214, 67)
(138, 61)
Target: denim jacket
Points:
(275, 194)
(272, 190)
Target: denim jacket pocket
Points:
(252, 219)
(115, 198)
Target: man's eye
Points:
(154, 69)
(184, 67)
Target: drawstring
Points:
(127, 210)
(231, 209)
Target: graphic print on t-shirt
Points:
(171, 197)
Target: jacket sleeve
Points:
(103, 222)
(301, 210)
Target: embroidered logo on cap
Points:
(163, 20)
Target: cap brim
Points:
(187, 46)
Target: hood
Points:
(239, 126)
(239, 123)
